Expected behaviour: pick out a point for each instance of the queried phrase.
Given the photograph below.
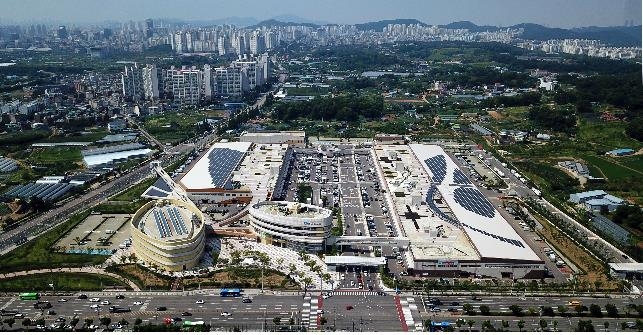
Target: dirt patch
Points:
(495, 115)
(592, 268)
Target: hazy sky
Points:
(553, 13)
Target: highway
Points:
(357, 312)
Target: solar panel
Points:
(156, 193)
(222, 162)
(460, 178)
(472, 200)
(161, 185)
(438, 166)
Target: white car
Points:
(94, 306)
(225, 314)
(94, 300)
(104, 302)
(137, 303)
(62, 300)
(200, 302)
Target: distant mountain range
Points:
(617, 36)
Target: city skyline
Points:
(567, 14)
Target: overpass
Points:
(370, 241)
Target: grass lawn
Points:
(134, 192)
(633, 162)
(606, 136)
(129, 208)
(175, 127)
(55, 154)
(62, 282)
(37, 254)
(609, 169)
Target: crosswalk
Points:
(309, 312)
(354, 292)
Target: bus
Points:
(29, 296)
(187, 323)
(230, 292)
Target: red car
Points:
(349, 307)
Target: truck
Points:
(536, 191)
(116, 309)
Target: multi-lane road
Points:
(359, 311)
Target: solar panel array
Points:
(460, 178)
(177, 221)
(497, 237)
(162, 185)
(8, 165)
(438, 166)
(161, 224)
(45, 192)
(152, 192)
(472, 200)
(436, 210)
(222, 162)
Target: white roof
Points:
(490, 233)
(355, 260)
(629, 267)
(200, 176)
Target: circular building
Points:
(169, 233)
(291, 224)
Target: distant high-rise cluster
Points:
(191, 85)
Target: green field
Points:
(307, 91)
(176, 127)
(62, 282)
(606, 136)
(55, 154)
(134, 192)
(609, 169)
(37, 254)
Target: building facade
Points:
(169, 234)
(291, 225)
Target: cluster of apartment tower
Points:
(191, 85)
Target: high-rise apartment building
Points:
(152, 82)
(132, 81)
(229, 80)
(185, 85)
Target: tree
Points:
(555, 324)
(623, 325)
(543, 324)
(88, 322)
(521, 325)
(612, 311)
(459, 323)
(26, 323)
(467, 308)
(124, 322)
(138, 321)
(484, 309)
(323, 320)
(606, 324)
(579, 309)
(276, 320)
(470, 323)
(562, 309)
(595, 311)
(548, 311)
(584, 326)
(505, 324)
(105, 321)
(487, 326)
(74, 322)
(516, 310)
(10, 322)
